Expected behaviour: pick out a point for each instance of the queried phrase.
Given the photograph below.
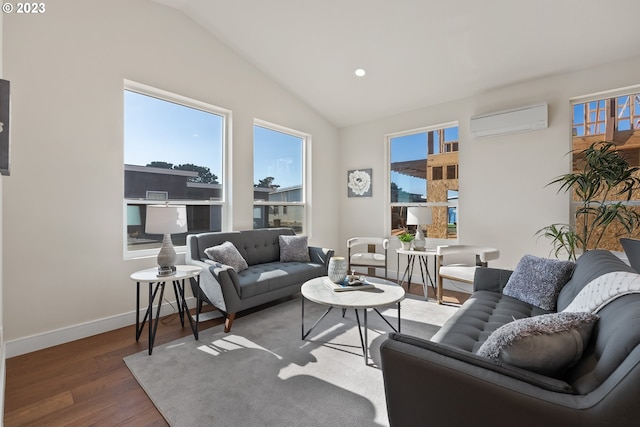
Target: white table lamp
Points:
(419, 216)
(167, 220)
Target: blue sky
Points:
(623, 122)
(168, 132)
(278, 155)
(414, 147)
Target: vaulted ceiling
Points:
(416, 53)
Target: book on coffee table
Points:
(346, 285)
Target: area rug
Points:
(263, 374)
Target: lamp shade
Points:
(419, 215)
(166, 219)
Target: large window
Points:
(173, 154)
(615, 118)
(279, 190)
(423, 171)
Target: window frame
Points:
(633, 114)
(387, 216)
(225, 189)
(306, 173)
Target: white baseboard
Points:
(83, 330)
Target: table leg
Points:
(182, 302)
(305, 334)
(387, 322)
(153, 326)
(148, 314)
(421, 261)
(366, 340)
(407, 271)
(138, 328)
(177, 290)
(411, 263)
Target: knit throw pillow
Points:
(538, 281)
(294, 248)
(227, 254)
(547, 344)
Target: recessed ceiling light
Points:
(360, 72)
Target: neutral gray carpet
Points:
(263, 374)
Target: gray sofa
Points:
(266, 279)
(442, 382)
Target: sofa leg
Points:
(439, 296)
(228, 321)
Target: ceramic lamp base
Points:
(167, 257)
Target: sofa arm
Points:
(230, 285)
(320, 255)
(490, 279)
(208, 284)
(430, 381)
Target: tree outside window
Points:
(279, 191)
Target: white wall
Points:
(64, 271)
(503, 199)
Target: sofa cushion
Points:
(294, 248)
(538, 281)
(589, 266)
(227, 254)
(479, 316)
(263, 278)
(546, 344)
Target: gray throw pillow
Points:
(547, 344)
(538, 281)
(294, 248)
(227, 254)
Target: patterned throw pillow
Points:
(294, 249)
(538, 281)
(227, 254)
(546, 344)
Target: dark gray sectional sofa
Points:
(266, 279)
(443, 382)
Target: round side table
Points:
(157, 283)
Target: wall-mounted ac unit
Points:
(523, 119)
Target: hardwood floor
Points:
(86, 382)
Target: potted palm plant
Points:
(604, 175)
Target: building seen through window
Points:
(279, 191)
(614, 119)
(423, 171)
(173, 150)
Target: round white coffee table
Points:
(384, 293)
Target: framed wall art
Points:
(359, 183)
